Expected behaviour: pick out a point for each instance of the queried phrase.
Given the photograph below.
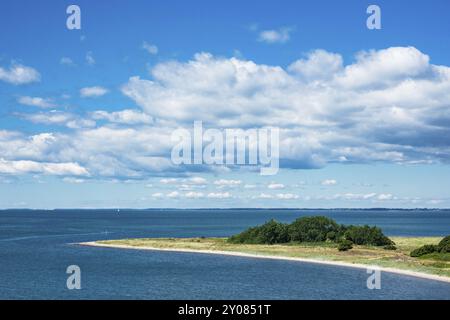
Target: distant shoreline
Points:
(224, 209)
(274, 257)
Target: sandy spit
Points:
(261, 256)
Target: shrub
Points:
(269, 233)
(332, 235)
(366, 235)
(312, 229)
(248, 236)
(423, 250)
(345, 245)
(444, 248)
(273, 232)
(390, 247)
(444, 244)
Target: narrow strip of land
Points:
(397, 261)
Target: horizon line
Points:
(220, 208)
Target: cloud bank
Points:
(389, 105)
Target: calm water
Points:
(37, 246)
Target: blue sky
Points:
(86, 115)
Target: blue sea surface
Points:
(36, 247)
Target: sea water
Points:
(36, 247)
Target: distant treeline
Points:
(314, 229)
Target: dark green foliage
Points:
(390, 247)
(345, 245)
(248, 236)
(273, 232)
(423, 250)
(269, 233)
(444, 245)
(312, 229)
(332, 235)
(365, 235)
(444, 248)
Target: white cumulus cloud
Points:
(127, 116)
(26, 166)
(219, 195)
(36, 102)
(388, 106)
(227, 183)
(95, 91)
(194, 195)
(281, 35)
(19, 74)
(287, 196)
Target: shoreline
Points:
(274, 257)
